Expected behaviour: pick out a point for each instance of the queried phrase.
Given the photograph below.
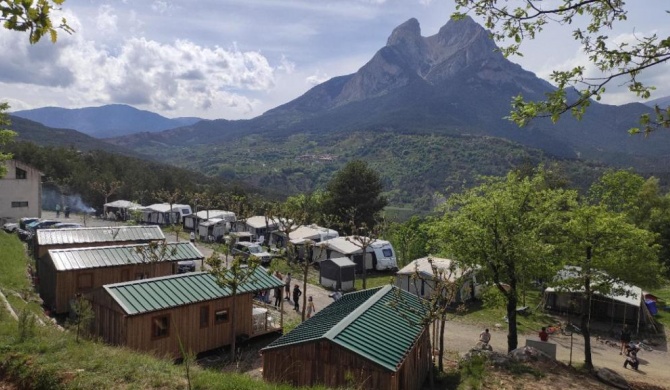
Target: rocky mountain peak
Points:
(408, 32)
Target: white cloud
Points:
(158, 76)
(106, 20)
(317, 78)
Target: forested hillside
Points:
(72, 171)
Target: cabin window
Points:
(221, 316)
(160, 327)
(21, 174)
(204, 316)
(84, 282)
(387, 252)
(19, 204)
(139, 275)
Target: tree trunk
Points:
(512, 338)
(584, 324)
(586, 310)
(431, 374)
(440, 364)
(365, 268)
(304, 288)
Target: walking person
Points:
(58, 210)
(310, 307)
(296, 297)
(287, 286)
(278, 291)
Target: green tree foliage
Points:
(604, 248)
(640, 200)
(498, 227)
(617, 191)
(83, 316)
(617, 62)
(354, 195)
(33, 17)
(6, 136)
(409, 239)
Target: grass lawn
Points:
(373, 280)
(490, 316)
(663, 317)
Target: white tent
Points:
(162, 214)
(120, 209)
(421, 284)
(193, 220)
(625, 302)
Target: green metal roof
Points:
(365, 323)
(109, 234)
(147, 295)
(109, 256)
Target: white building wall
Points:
(20, 197)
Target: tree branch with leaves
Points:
(620, 62)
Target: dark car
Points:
(41, 224)
(66, 225)
(24, 235)
(23, 222)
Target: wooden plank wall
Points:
(413, 372)
(108, 318)
(58, 294)
(185, 323)
(325, 363)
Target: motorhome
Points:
(379, 255)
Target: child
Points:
(310, 307)
(631, 359)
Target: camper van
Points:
(380, 254)
(383, 252)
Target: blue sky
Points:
(239, 58)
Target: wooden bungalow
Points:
(359, 337)
(46, 239)
(154, 314)
(64, 273)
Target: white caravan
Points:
(379, 255)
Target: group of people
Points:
(628, 349)
(66, 211)
(295, 294)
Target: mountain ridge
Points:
(111, 120)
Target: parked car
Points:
(10, 227)
(41, 224)
(246, 249)
(23, 222)
(185, 266)
(66, 225)
(24, 235)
